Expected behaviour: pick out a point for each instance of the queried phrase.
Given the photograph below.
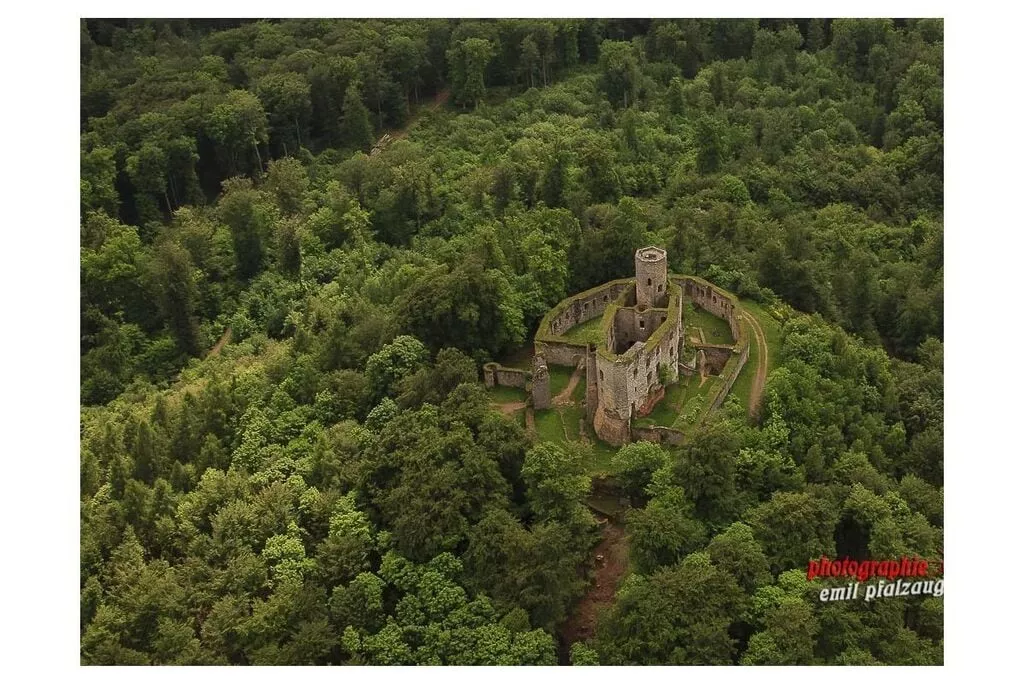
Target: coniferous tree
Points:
(356, 129)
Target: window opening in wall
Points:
(659, 287)
(585, 306)
(662, 318)
(641, 324)
(634, 372)
(601, 373)
(650, 376)
(648, 282)
(606, 297)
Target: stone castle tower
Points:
(651, 278)
(641, 350)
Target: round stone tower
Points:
(651, 278)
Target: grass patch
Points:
(667, 409)
(571, 416)
(716, 330)
(745, 380)
(695, 401)
(771, 327)
(559, 376)
(548, 424)
(600, 459)
(554, 424)
(588, 332)
(499, 394)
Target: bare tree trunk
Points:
(259, 159)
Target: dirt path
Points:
(509, 408)
(757, 388)
(564, 397)
(224, 339)
(610, 561)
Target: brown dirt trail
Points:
(564, 397)
(611, 560)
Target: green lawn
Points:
(579, 394)
(549, 425)
(500, 394)
(678, 401)
(599, 461)
(583, 333)
(559, 378)
(667, 410)
(745, 382)
(695, 400)
(716, 330)
(553, 425)
(772, 330)
(571, 416)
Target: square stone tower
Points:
(651, 278)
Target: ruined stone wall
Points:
(730, 373)
(658, 435)
(541, 387)
(567, 314)
(657, 393)
(560, 352)
(626, 382)
(498, 375)
(591, 384)
(712, 299)
(631, 326)
(581, 307)
(611, 429)
(715, 356)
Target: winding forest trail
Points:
(610, 562)
(757, 388)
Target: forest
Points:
(301, 240)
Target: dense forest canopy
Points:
(286, 456)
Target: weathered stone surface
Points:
(541, 383)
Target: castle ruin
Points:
(640, 349)
(639, 355)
